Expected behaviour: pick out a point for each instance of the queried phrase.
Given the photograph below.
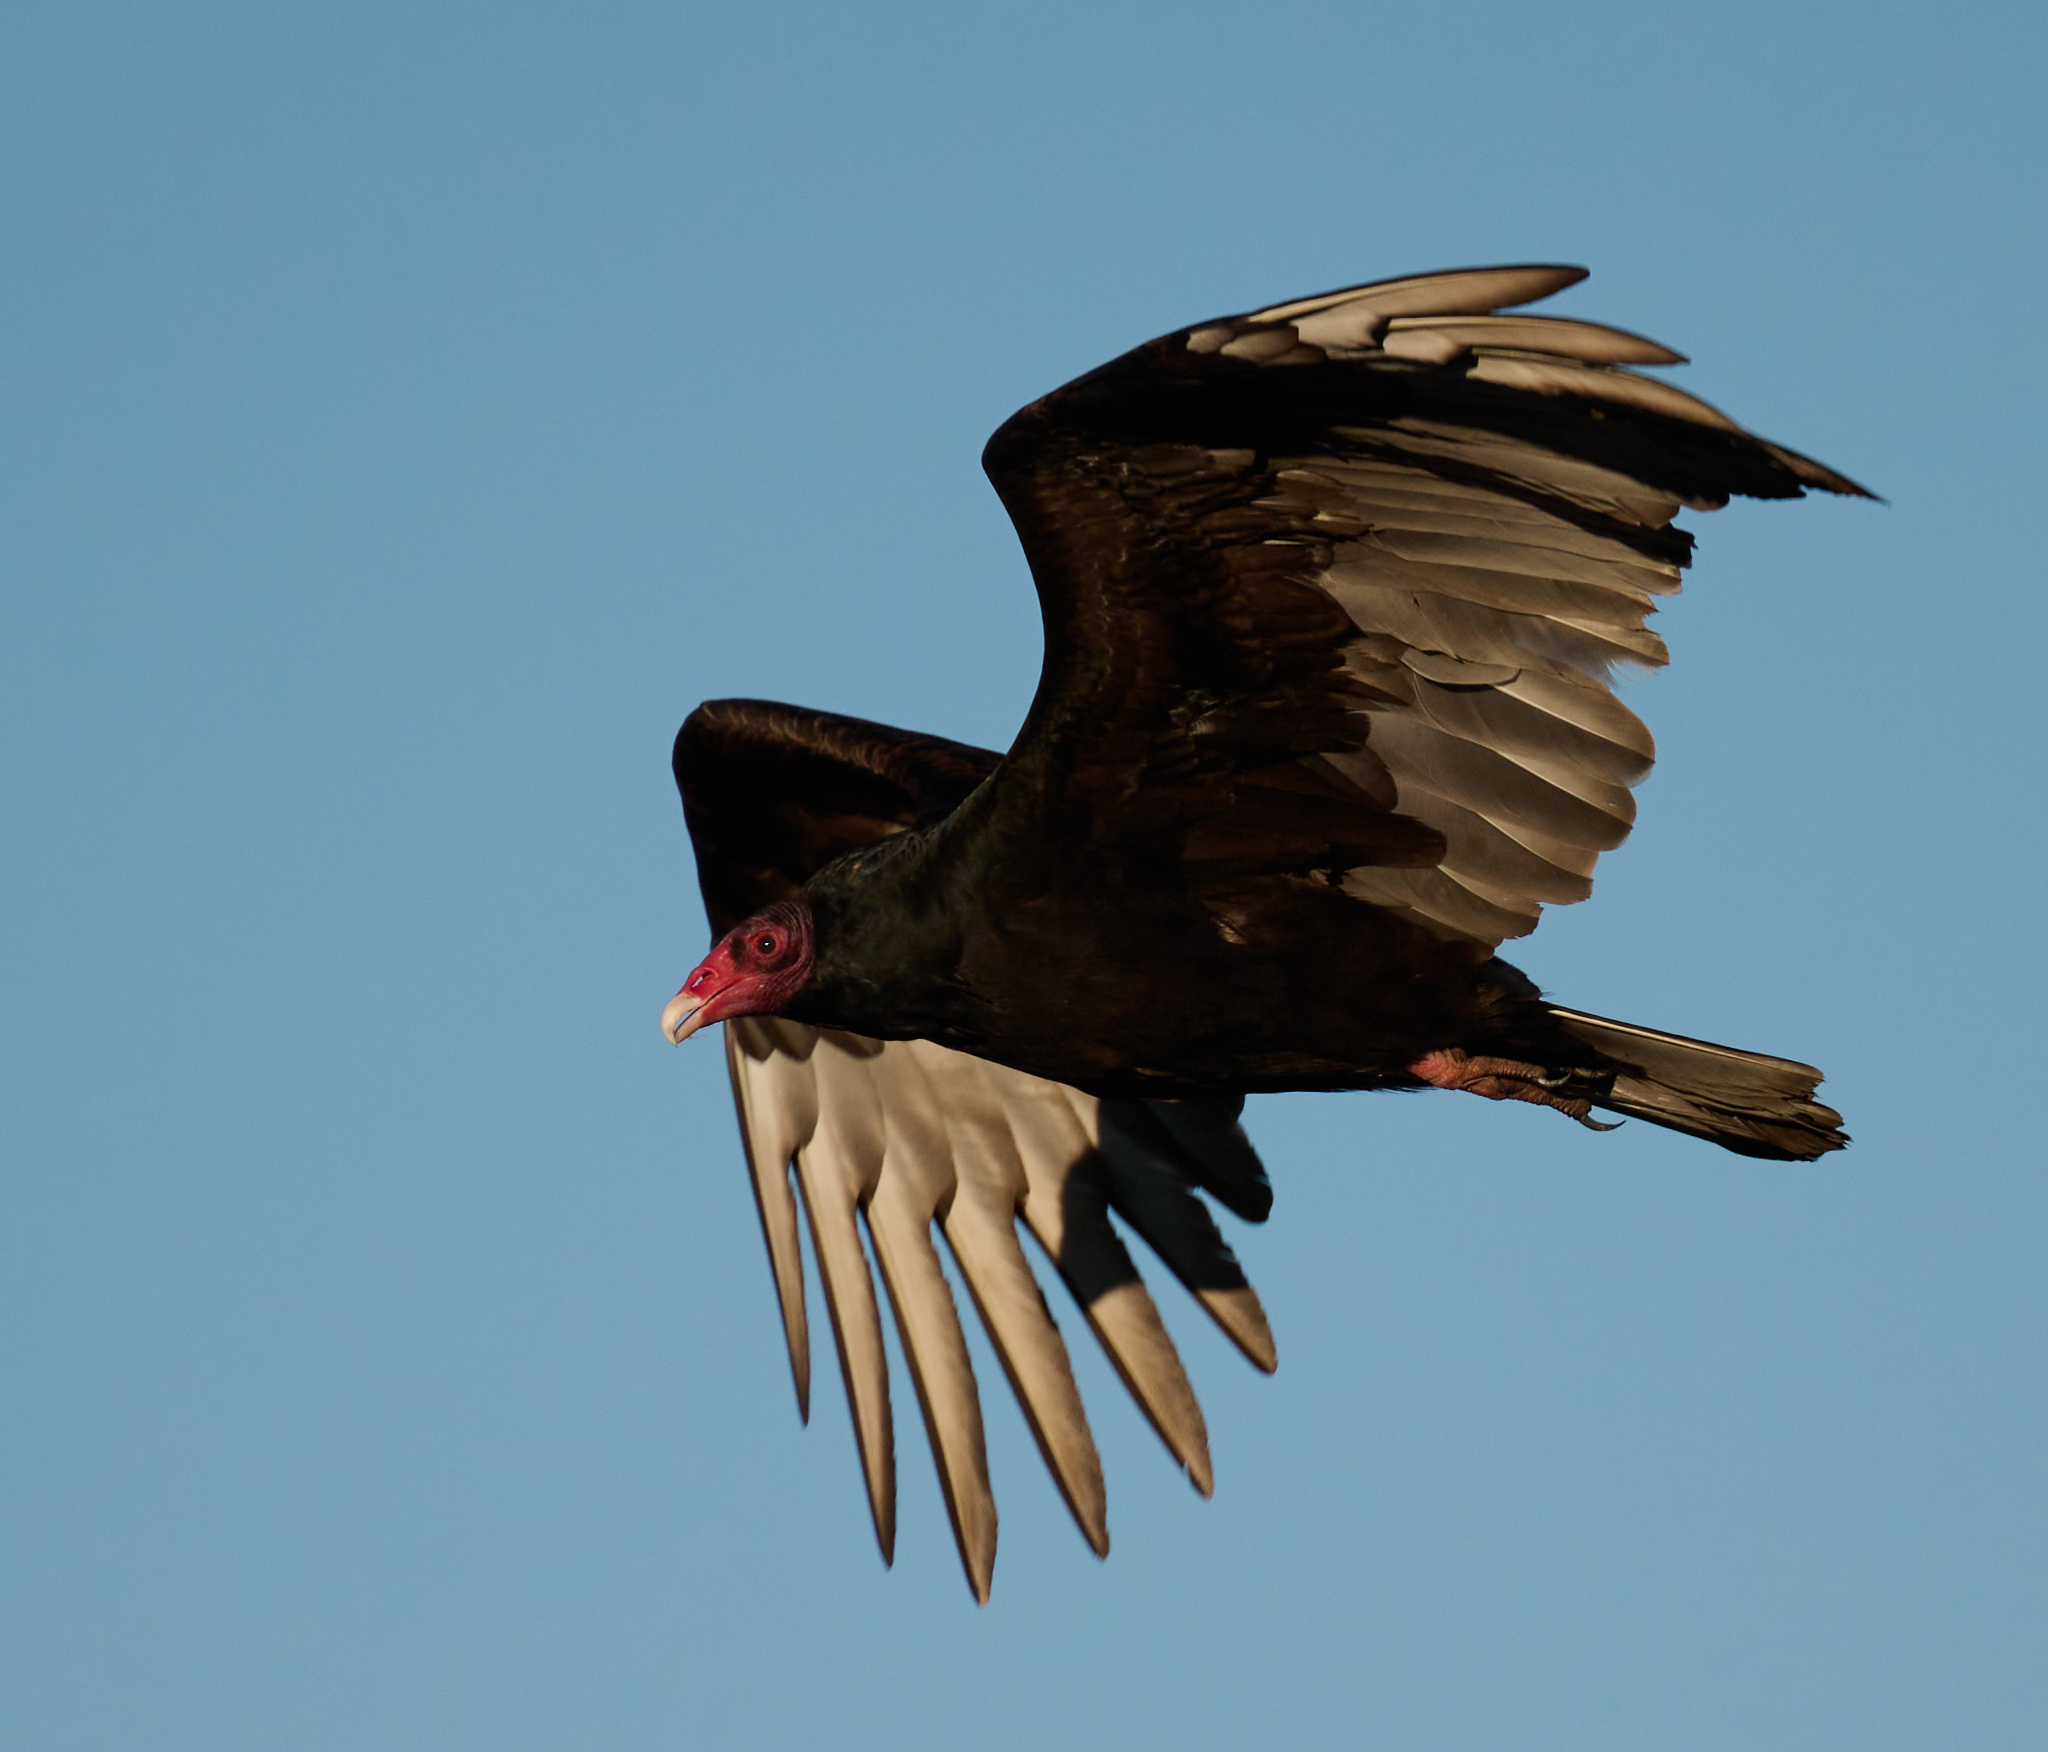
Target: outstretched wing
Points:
(905, 1135)
(908, 1134)
(1341, 585)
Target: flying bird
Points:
(1334, 594)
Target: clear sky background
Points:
(413, 410)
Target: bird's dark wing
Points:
(1341, 585)
(906, 1134)
(774, 793)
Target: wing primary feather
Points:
(1595, 343)
(1148, 1188)
(1453, 292)
(1818, 474)
(917, 1181)
(1567, 478)
(769, 1062)
(980, 1226)
(1217, 1155)
(1602, 382)
(837, 1170)
(1067, 1209)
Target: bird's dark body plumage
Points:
(967, 933)
(1332, 594)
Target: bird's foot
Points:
(1500, 1079)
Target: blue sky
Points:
(411, 411)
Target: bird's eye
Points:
(765, 945)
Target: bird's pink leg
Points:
(1500, 1079)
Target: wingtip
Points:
(1243, 1320)
(1817, 474)
(1572, 273)
(799, 1369)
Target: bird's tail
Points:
(1747, 1102)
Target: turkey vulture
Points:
(1333, 595)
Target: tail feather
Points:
(1747, 1102)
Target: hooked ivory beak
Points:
(683, 1017)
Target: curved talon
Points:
(1500, 1079)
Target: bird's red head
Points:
(753, 970)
